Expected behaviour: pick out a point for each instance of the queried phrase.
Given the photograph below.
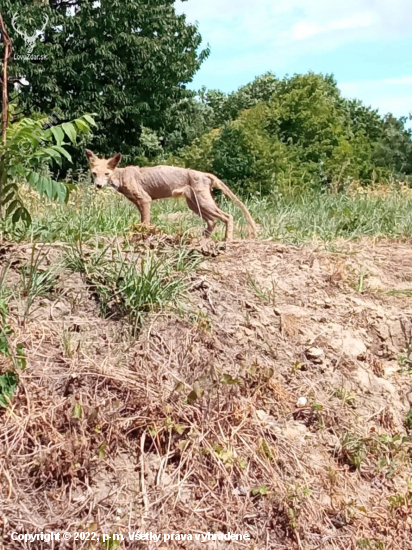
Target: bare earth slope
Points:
(278, 407)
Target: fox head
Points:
(102, 170)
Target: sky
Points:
(366, 44)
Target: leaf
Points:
(8, 198)
(58, 134)
(111, 544)
(82, 125)
(9, 187)
(17, 170)
(90, 120)
(198, 389)
(12, 207)
(101, 451)
(70, 131)
(51, 188)
(266, 450)
(48, 188)
(21, 356)
(47, 135)
(3, 310)
(55, 155)
(261, 490)
(25, 216)
(17, 216)
(63, 152)
(192, 397)
(33, 178)
(178, 428)
(4, 343)
(229, 380)
(77, 411)
(41, 185)
(8, 385)
(60, 191)
(297, 366)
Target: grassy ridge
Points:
(286, 217)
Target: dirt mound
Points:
(277, 405)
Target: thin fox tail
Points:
(218, 184)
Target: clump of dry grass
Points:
(379, 190)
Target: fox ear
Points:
(114, 161)
(90, 155)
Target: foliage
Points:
(302, 134)
(8, 385)
(394, 148)
(193, 117)
(186, 120)
(31, 147)
(127, 60)
(130, 61)
(228, 107)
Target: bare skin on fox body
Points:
(143, 185)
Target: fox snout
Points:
(100, 182)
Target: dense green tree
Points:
(126, 60)
(300, 133)
(361, 118)
(186, 120)
(129, 61)
(394, 146)
(226, 107)
(306, 111)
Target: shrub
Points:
(302, 134)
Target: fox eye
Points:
(94, 174)
(107, 174)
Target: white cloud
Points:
(389, 94)
(371, 85)
(306, 29)
(248, 38)
(403, 80)
(269, 21)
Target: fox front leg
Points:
(144, 209)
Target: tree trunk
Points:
(4, 80)
(5, 104)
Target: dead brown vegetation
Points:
(194, 425)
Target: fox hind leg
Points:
(227, 219)
(206, 208)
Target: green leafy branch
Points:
(31, 146)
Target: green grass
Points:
(296, 219)
(328, 217)
(36, 281)
(401, 292)
(131, 286)
(268, 296)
